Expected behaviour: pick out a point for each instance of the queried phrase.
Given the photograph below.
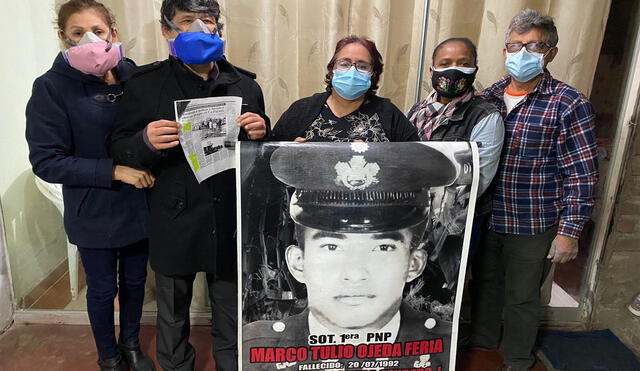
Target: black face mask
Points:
(453, 82)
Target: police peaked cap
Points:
(361, 187)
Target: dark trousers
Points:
(173, 294)
(478, 228)
(507, 275)
(121, 271)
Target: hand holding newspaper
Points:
(208, 133)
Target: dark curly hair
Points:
(376, 61)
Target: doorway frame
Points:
(581, 316)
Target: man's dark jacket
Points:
(193, 226)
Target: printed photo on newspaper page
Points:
(208, 133)
(352, 255)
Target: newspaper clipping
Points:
(208, 133)
(351, 254)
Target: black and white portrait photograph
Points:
(351, 253)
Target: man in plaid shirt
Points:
(543, 191)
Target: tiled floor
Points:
(71, 348)
(485, 361)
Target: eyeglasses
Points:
(75, 43)
(345, 64)
(207, 21)
(533, 47)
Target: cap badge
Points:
(357, 174)
(359, 147)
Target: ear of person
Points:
(417, 264)
(295, 261)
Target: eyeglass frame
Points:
(177, 28)
(526, 46)
(108, 39)
(354, 64)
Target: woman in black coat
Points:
(349, 110)
(69, 119)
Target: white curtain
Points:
(289, 42)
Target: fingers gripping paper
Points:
(207, 132)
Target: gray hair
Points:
(527, 19)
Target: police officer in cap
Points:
(360, 214)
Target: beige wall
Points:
(35, 239)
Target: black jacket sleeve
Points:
(127, 141)
(401, 128)
(50, 139)
(285, 128)
(296, 119)
(256, 98)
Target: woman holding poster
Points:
(453, 112)
(349, 110)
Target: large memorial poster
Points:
(351, 255)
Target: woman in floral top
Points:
(349, 110)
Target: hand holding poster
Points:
(346, 254)
(208, 131)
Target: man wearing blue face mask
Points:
(192, 227)
(543, 190)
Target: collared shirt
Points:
(549, 166)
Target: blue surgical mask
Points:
(524, 65)
(351, 84)
(198, 45)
